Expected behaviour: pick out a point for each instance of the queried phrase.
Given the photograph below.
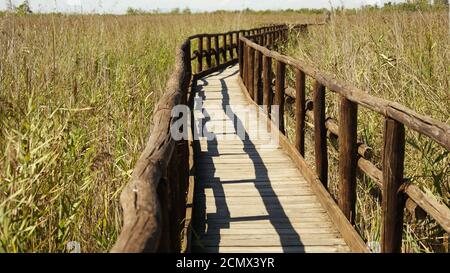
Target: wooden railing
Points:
(258, 80)
(215, 51)
(154, 201)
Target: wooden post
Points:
(200, 55)
(224, 52)
(320, 133)
(251, 67)
(216, 48)
(231, 46)
(279, 93)
(188, 64)
(241, 58)
(348, 122)
(300, 111)
(257, 78)
(208, 52)
(393, 198)
(267, 79)
(245, 64)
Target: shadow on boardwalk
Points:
(203, 226)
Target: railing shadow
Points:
(275, 213)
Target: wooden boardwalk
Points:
(244, 195)
(249, 196)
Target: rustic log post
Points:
(257, 87)
(348, 121)
(267, 79)
(320, 133)
(216, 49)
(208, 52)
(300, 111)
(224, 51)
(200, 55)
(279, 93)
(251, 67)
(393, 197)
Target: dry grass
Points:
(76, 97)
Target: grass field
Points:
(77, 93)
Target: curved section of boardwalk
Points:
(249, 196)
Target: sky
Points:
(120, 6)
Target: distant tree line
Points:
(22, 9)
(411, 5)
(135, 11)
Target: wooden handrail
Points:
(149, 224)
(438, 131)
(225, 45)
(395, 191)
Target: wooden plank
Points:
(273, 212)
(256, 184)
(287, 240)
(266, 192)
(271, 231)
(268, 225)
(274, 249)
(262, 208)
(234, 175)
